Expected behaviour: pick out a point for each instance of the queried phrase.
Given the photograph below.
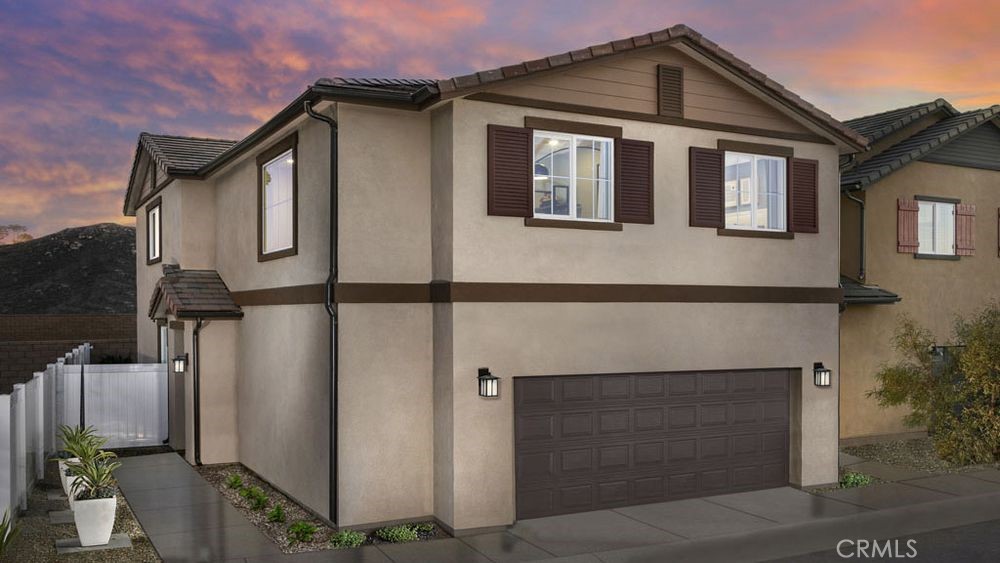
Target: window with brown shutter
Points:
(509, 180)
(906, 226)
(634, 181)
(670, 90)
(705, 183)
(965, 229)
(803, 196)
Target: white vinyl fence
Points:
(126, 403)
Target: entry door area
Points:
(602, 441)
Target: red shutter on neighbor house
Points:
(509, 173)
(705, 183)
(965, 229)
(803, 196)
(906, 226)
(633, 181)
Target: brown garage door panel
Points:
(591, 442)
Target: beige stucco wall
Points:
(218, 342)
(282, 391)
(385, 418)
(933, 291)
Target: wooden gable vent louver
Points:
(670, 90)
(510, 179)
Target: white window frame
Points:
(572, 138)
(754, 194)
(934, 204)
(153, 233)
(162, 343)
(288, 154)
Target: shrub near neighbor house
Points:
(956, 395)
(348, 538)
(397, 534)
(301, 531)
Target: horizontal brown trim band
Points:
(755, 148)
(919, 256)
(571, 224)
(755, 234)
(936, 199)
(576, 127)
(636, 116)
(176, 325)
(475, 292)
(289, 295)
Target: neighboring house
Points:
(639, 239)
(929, 194)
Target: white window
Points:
(936, 227)
(573, 176)
(755, 192)
(153, 226)
(278, 203)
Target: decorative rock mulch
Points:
(278, 531)
(917, 453)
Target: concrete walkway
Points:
(188, 520)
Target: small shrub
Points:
(234, 481)
(255, 496)
(853, 479)
(348, 538)
(301, 531)
(276, 514)
(8, 531)
(397, 534)
(424, 527)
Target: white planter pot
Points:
(62, 473)
(70, 481)
(95, 519)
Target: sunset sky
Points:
(80, 80)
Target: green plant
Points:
(397, 534)
(301, 531)
(348, 538)
(255, 496)
(234, 481)
(276, 514)
(8, 531)
(94, 476)
(77, 438)
(955, 394)
(424, 527)
(853, 479)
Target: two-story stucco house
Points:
(919, 226)
(596, 279)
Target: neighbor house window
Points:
(277, 198)
(154, 232)
(936, 228)
(755, 191)
(573, 175)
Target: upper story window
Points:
(755, 192)
(154, 229)
(936, 227)
(572, 176)
(277, 201)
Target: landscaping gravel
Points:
(278, 531)
(36, 538)
(917, 453)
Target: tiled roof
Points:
(879, 125)
(857, 293)
(193, 294)
(183, 154)
(460, 85)
(915, 147)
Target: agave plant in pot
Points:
(75, 439)
(94, 498)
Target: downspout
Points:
(195, 365)
(861, 233)
(331, 305)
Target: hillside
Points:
(80, 270)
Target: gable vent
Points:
(670, 90)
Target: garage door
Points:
(593, 442)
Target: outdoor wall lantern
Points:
(489, 384)
(821, 375)
(180, 363)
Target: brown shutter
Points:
(965, 229)
(705, 182)
(670, 90)
(633, 181)
(906, 226)
(509, 173)
(803, 196)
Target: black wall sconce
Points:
(489, 384)
(180, 363)
(821, 375)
